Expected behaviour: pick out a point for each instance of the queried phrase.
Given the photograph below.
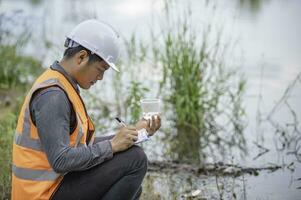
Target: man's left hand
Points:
(151, 125)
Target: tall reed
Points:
(204, 95)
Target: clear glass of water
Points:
(150, 107)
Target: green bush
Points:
(15, 69)
(7, 130)
(132, 103)
(202, 93)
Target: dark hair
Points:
(71, 51)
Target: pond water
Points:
(268, 51)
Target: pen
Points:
(120, 122)
(142, 134)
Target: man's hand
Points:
(151, 125)
(124, 139)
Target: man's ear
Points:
(82, 57)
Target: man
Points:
(55, 154)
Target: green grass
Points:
(15, 69)
(136, 92)
(7, 130)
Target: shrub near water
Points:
(204, 95)
(136, 92)
(7, 130)
(15, 69)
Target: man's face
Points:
(90, 73)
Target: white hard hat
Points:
(98, 37)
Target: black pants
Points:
(118, 178)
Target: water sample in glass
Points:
(150, 107)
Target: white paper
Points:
(142, 136)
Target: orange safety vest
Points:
(32, 175)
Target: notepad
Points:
(142, 136)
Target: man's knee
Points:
(138, 154)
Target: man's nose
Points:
(99, 76)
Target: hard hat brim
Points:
(112, 65)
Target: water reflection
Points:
(286, 131)
(278, 185)
(185, 186)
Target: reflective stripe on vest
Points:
(25, 140)
(80, 132)
(28, 142)
(34, 174)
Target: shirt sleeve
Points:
(102, 138)
(51, 110)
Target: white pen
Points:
(120, 122)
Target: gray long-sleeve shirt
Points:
(55, 119)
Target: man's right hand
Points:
(124, 139)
